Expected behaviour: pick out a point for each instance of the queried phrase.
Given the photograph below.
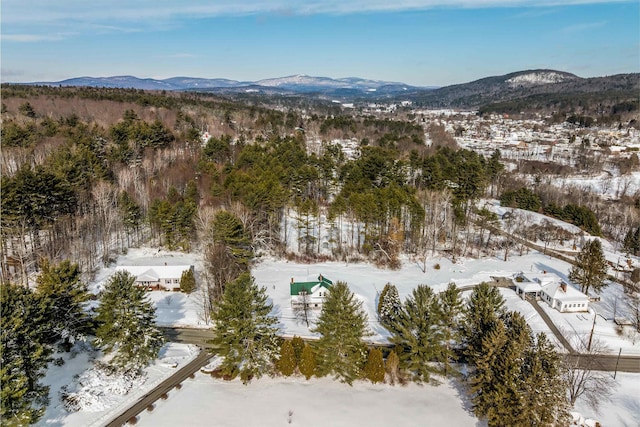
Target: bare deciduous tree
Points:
(585, 379)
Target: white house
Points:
(310, 293)
(553, 290)
(157, 277)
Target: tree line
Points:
(514, 377)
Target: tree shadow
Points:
(464, 395)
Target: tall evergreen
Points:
(307, 364)
(245, 332)
(483, 311)
(63, 294)
(187, 281)
(298, 347)
(450, 309)
(419, 334)
(631, 242)
(287, 360)
(590, 269)
(389, 306)
(126, 319)
(374, 368)
(545, 390)
(342, 325)
(497, 380)
(23, 356)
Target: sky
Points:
(417, 42)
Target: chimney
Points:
(292, 280)
(563, 286)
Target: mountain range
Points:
(537, 89)
(300, 83)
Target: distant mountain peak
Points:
(539, 77)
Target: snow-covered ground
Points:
(204, 401)
(103, 398)
(623, 408)
(271, 400)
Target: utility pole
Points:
(617, 360)
(592, 329)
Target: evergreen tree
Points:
(245, 334)
(389, 306)
(590, 269)
(307, 364)
(483, 379)
(392, 367)
(62, 295)
(187, 281)
(483, 311)
(227, 229)
(342, 324)
(374, 369)
(23, 356)
(126, 320)
(287, 361)
(631, 243)
(450, 308)
(545, 390)
(419, 334)
(497, 380)
(298, 346)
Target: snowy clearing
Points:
(267, 402)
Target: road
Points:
(164, 387)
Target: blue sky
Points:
(420, 42)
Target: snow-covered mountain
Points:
(297, 83)
(540, 77)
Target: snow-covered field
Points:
(267, 402)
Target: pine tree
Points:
(62, 295)
(497, 379)
(23, 356)
(245, 334)
(631, 243)
(590, 269)
(389, 306)
(392, 367)
(483, 311)
(374, 369)
(418, 332)
(342, 324)
(545, 390)
(450, 308)
(287, 361)
(126, 320)
(187, 281)
(298, 346)
(307, 364)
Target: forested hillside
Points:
(89, 172)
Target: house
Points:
(553, 290)
(157, 277)
(311, 294)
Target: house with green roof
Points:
(311, 294)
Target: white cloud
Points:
(30, 38)
(108, 11)
(587, 26)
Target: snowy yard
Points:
(267, 402)
(104, 398)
